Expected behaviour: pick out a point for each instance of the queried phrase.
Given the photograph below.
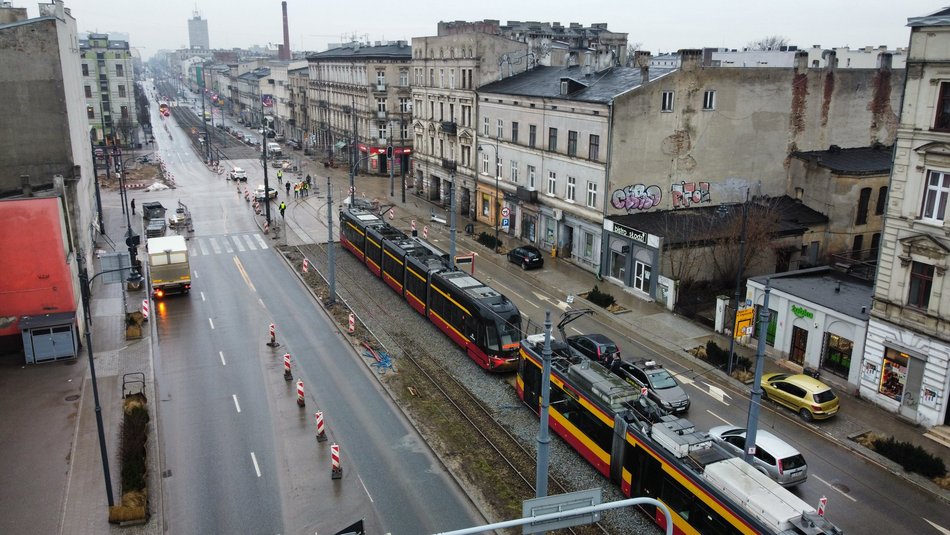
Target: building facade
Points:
(360, 105)
(906, 365)
(108, 84)
(198, 33)
(298, 122)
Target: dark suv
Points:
(527, 256)
(594, 346)
(661, 386)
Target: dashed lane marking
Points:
(237, 405)
(256, 467)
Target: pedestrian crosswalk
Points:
(228, 244)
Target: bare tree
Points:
(771, 42)
(761, 227)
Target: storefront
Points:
(631, 258)
(818, 318)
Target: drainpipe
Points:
(603, 233)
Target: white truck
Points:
(168, 266)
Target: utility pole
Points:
(544, 438)
(756, 398)
(390, 160)
(402, 156)
(201, 91)
(732, 339)
(497, 204)
(264, 160)
(330, 247)
(452, 221)
(95, 174)
(354, 154)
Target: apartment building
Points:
(359, 105)
(298, 104)
(906, 362)
(108, 84)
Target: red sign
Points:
(402, 150)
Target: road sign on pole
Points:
(558, 503)
(744, 318)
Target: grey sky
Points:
(658, 27)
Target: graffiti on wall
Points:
(636, 197)
(686, 194)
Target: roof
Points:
(681, 227)
(543, 81)
(393, 51)
(825, 287)
(941, 17)
(873, 160)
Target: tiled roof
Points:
(875, 160)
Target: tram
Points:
(617, 431)
(483, 322)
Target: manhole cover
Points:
(72, 397)
(842, 487)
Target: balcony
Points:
(862, 264)
(449, 127)
(379, 88)
(450, 165)
(322, 104)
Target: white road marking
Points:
(261, 301)
(236, 404)
(683, 379)
(211, 323)
(834, 488)
(365, 489)
(227, 245)
(202, 295)
(256, 467)
(727, 422)
(237, 243)
(194, 274)
(717, 393)
(204, 249)
(214, 245)
(938, 527)
(221, 354)
(575, 330)
(260, 241)
(250, 244)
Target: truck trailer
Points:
(168, 266)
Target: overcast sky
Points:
(656, 26)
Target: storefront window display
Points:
(837, 354)
(894, 374)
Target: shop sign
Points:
(633, 234)
(801, 312)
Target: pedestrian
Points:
(308, 179)
(306, 189)
(133, 206)
(287, 187)
(296, 190)
(282, 207)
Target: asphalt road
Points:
(241, 454)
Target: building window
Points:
(881, 201)
(403, 130)
(588, 249)
(894, 373)
(484, 126)
(442, 78)
(381, 104)
(486, 204)
(667, 102)
(837, 358)
(552, 139)
(514, 131)
(442, 111)
(90, 112)
(88, 92)
(592, 195)
(875, 246)
(861, 218)
(484, 163)
(381, 130)
(451, 78)
(501, 129)
(380, 77)
(571, 143)
(466, 156)
(921, 282)
(709, 100)
(404, 77)
(124, 111)
(498, 164)
(531, 176)
(85, 69)
(532, 135)
(552, 183)
(403, 104)
(121, 91)
(571, 186)
(514, 171)
(942, 120)
(431, 77)
(119, 71)
(934, 206)
(431, 110)
(593, 150)
(857, 247)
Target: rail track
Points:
(477, 448)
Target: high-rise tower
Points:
(198, 32)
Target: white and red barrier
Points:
(287, 375)
(412, 225)
(351, 327)
(822, 502)
(273, 336)
(145, 309)
(321, 432)
(266, 227)
(300, 400)
(425, 232)
(392, 214)
(306, 265)
(336, 469)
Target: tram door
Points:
(532, 385)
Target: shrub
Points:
(134, 433)
(911, 457)
(600, 298)
(488, 240)
(717, 356)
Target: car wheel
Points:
(765, 395)
(524, 265)
(806, 415)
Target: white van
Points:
(273, 149)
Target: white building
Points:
(906, 366)
(109, 87)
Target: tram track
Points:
(472, 442)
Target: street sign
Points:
(557, 504)
(504, 222)
(506, 212)
(744, 319)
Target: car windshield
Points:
(793, 462)
(824, 396)
(504, 336)
(661, 379)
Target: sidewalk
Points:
(653, 325)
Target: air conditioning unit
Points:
(558, 214)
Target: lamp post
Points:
(497, 206)
(745, 215)
(95, 173)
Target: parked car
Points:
(259, 193)
(279, 138)
(807, 396)
(661, 386)
(238, 174)
(239, 135)
(594, 346)
(250, 140)
(773, 456)
(527, 256)
(293, 143)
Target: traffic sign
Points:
(504, 222)
(505, 212)
(744, 318)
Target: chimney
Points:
(885, 61)
(690, 59)
(285, 52)
(641, 58)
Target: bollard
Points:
(351, 324)
(266, 228)
(822, 502)
(287, 375)
(336, 470)
(321, 432)
(273, 336)
(412, 225)
(300, 400)
(392, 214)
(306, 265)
(145, 309)
(425, 232)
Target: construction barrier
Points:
(321, 432)
(266, 227)
(273, 336)
(821, 506)
(392, 214)
(412, 224)
(425, 232)
(306, 265)
(336, 469)
(287, 375)
(145, 309)
(351, 324)
(300, 400)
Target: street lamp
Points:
(722, 211)
(497, 206)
